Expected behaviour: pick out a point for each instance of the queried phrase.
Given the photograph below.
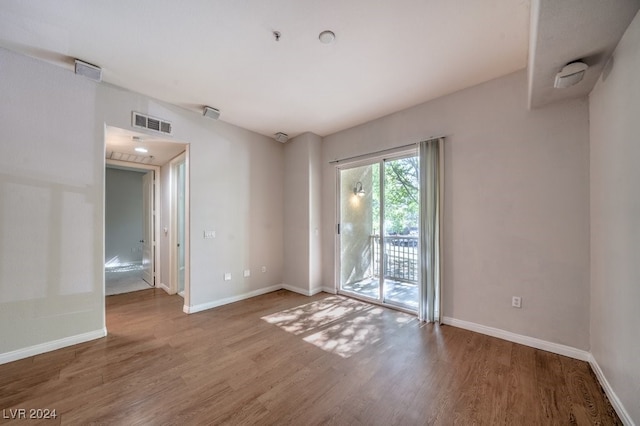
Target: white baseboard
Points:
(214, 304)
(533, 342)
(51, 346)
(330, 290)
(613, 398)
(165, 288)
(302, 291)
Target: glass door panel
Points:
(382, 266)
(359, 230)
(401, 207)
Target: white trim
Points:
(51, 346)
(330, 290)
(173, 272)
(209, 305)
(613, 398)
(165, 288)
(301, 290)
(533, 342)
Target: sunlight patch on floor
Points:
(349, 337)
(339, 325)
(310, 316)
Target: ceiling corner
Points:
(563, 32)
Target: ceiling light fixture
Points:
(327, 37)
(571, 74)
(140, 149)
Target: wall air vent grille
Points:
(140, 120)
(151, 123)
(165, 127)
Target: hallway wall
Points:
(123, 216)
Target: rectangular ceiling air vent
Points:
(151, 123)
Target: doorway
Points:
(153, 159)
(378, 239)
(130, 237)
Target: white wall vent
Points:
(151, 123)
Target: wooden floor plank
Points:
(322, 360)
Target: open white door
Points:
(148, 243)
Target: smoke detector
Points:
(281, 137)
(327, 37)
(571, 74)
(88, 70)
(211, 112)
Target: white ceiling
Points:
(388, 55)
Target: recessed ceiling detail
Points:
(131, 158)
(124, 142)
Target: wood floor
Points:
(283, 358)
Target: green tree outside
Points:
(402, 196)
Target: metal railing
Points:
(400, 257)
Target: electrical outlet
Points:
(264, 269)
(227, 276)
(209, 234)
(247, 272)
(516, 302)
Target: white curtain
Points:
(431, 204)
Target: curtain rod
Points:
(382, 151)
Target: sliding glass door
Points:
(378, 231)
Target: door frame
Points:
(156, 209)
(364, 161)
(173, 237)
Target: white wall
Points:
(315, 212)
(52, 188)
(123, 216)
(516, 205)
(51, 208)
(296, 214)
(614, 106)
(302, 214)
(235, 190)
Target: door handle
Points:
(142, 241)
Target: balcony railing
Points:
(400, 257)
